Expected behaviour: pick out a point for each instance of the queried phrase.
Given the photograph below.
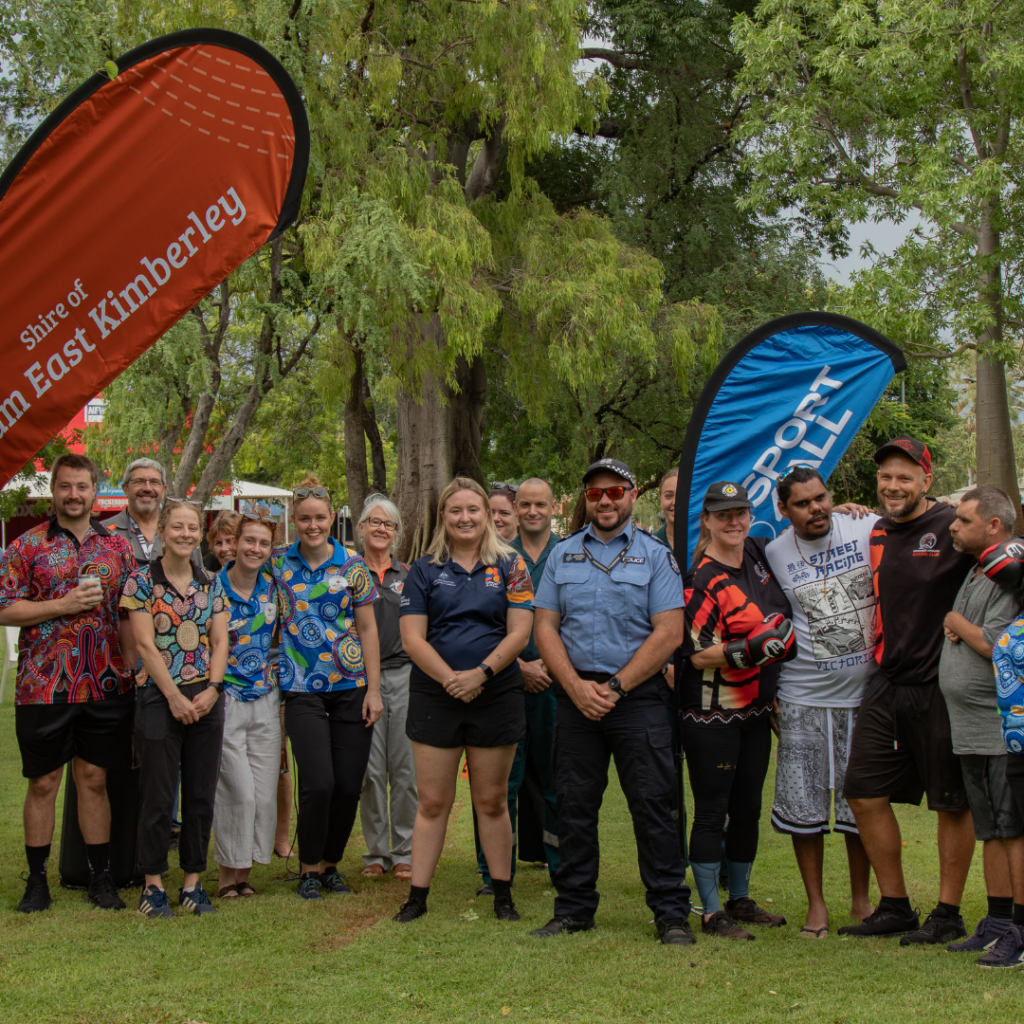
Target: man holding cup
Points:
(75, 698)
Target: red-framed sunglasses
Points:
(615, 493)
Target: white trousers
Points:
(390, 763)
(245, 812)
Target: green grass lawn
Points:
(276, 959)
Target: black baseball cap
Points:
(610, 466)
(909, 446)
(725, 494)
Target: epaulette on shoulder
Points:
(574, 532)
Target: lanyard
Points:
(607, 569)
(145, 545)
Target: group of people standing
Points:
(864, 641)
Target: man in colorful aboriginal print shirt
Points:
(75, 700)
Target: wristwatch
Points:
(615, 684)
(487, 670)
(219, 687)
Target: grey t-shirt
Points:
(966, 678)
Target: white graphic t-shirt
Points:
(829, 586)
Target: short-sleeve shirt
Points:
(252, 630)
(918, 573)
(74, 658)
(316, 610)
(965, 676)
(536, 571)
(386, 610)
(724, 603)
(606, 593)
(467, 612)
(181, 622)
(830, 590)
(1008, 663)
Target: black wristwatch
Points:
(219, 687)
(615, 684)
(487, 670)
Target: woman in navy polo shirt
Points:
(467, 612)
(330, 682)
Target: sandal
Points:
(403, 871)
(373, 871)
(247, 889)
(228, 892)
(814, 933)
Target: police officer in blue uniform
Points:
(609, 614)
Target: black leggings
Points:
(728, 765)
(331, 744)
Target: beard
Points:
(909, 507)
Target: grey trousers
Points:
(390, 767)
(245, 814)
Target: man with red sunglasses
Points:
(609, 614)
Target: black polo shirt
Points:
(467, 612)
(390, 584)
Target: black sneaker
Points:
(103, 893)
(409, 911)
(309, 888)
(746, 910)
(505, 909)
(334, 881)
(675, 932)
(196, 901)
(563, 926)
(720, 924)
(1007, 952)
(939, 928)
(37, 895)
(153, 902)
(986, 935)
(485, 890)
(883, 923)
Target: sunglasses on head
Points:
(185, 501)
(615, 493)
(311, 492)
(260, 514)
(500, 485)
(798, 465)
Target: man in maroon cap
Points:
(902, 746)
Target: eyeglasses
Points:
(615, 493)
(500, 485)
(314, 492)
(260, 514)
(376, 524)
(798, 465)
(136, 482)
(185, 501)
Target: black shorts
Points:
(491, 720)
(97, 731)
(902, 748)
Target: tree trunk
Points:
(438, 438)
(355, 439)
(372, 432)
(996, 462)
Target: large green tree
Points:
(879, 109)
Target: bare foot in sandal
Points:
(373, 871)
(228, 892)
(403, 872)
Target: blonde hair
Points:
(702, 542)
(170, 505)
(310, 481)
(669, 473)
(274, 528)
(492, 549)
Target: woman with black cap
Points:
(736, 636)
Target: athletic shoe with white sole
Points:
(1008, 950)
(986, 935)
(153, 902)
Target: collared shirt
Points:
(1008, 664)
(181, 622)
(144, 550)
(467, 611)
(386, 609)
(606, 616)
(316, 609)
(536, 571)
(252, 630)
(965, 676)
(74, 658)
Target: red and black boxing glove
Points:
(772, 640)
(1003, 563)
